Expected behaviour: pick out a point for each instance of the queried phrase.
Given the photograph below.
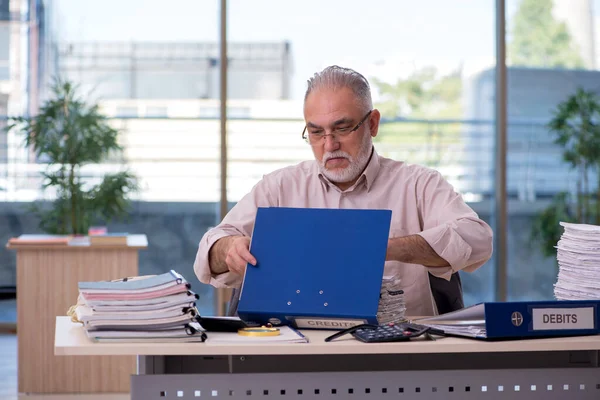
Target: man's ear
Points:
(374, 122)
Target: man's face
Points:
(343, 155)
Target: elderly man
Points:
(432, 231)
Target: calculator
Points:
(388, 333)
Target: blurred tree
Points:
(538, 40)
(422, 95)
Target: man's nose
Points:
(331, 143)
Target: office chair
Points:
(448, 295)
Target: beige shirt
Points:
(421, 200)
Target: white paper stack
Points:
(287, 334)
(391, 302)
(155, 308)
(578, 257)
(469, 322)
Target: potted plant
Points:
(69, 134)
(576, 126)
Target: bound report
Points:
(521, 319)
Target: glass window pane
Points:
(152, 67)
(431, 68)
(553, 50)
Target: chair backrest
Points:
(448, 295)
(233, 303)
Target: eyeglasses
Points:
(319, 137)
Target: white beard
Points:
(355, 165)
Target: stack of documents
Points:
(578, 257)
(40, 240)
(156, 308)
(468, 322)
(391, 302)
(519, 319)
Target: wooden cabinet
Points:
(47, 277)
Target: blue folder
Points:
(521, 319)
(317, 268)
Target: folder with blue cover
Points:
(316, 268)
(520, 319)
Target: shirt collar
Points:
(369, 174)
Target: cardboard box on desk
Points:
(317, 268)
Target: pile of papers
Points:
(155, 308)
(391, 302)
(468, 322)
(287, 334)
(578, 257)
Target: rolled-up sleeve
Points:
(451, 227)
(238, 222)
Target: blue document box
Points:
(521, 319)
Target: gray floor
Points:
(8, 367)
(8, 363)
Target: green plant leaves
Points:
(546, 229)
(575, 125)
(67, 134)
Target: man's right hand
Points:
(238, 255)
(230, 253)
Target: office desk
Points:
(448, 368)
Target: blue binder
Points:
(317, 268)
(521, 319)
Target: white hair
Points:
(335, 77)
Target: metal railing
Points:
(177, 159)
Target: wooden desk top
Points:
(139, 241)
(70, 339)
